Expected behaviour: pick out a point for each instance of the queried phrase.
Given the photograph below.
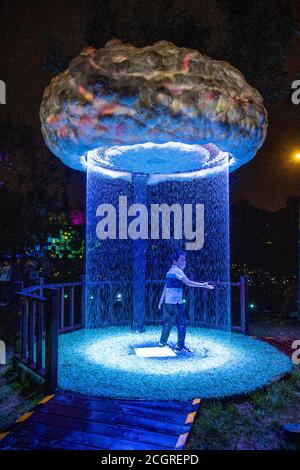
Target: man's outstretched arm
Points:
(190, 283)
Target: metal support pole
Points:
(244, 305)
(139, 248)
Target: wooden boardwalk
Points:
(71, 421)
(283, 344)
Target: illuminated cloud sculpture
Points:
(160, 126)
(135, 117)
(121, 96)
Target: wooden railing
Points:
(45, 311)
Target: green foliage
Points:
(68, 244)
(17, 396)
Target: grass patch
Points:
(17, 396)
(250, 423)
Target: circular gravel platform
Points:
(103, 363)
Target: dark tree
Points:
(142, 22)
(55, 61)
(34, 186)
(253, 36)
(260, 33)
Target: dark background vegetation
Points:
(261, 38)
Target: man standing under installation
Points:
(174, 308)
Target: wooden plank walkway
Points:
(283, 344)
(70, 421)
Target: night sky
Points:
(28, 26)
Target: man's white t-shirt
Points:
(174, 285)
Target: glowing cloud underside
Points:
(159, 162)
(122, 95)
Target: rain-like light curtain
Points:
(129, 243)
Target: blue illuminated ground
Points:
(101, 362)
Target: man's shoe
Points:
(161, 345)
(183, 350)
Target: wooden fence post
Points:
(244, 305)
(24, 338)
(83, 301)
(18, 343)
(31, 331)
(71, 307)
(52, 320)
(41, 279)
(39, 336)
